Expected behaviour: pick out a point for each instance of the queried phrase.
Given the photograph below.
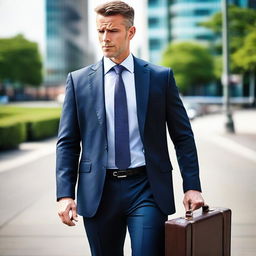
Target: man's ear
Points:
(131, 32)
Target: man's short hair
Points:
(117, 8)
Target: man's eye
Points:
(109, 31)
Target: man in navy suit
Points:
(112, 138)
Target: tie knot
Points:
(119, 69)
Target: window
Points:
(201, 12)
(204, 37)
(154, 44)
(152, 2)
(153, 22)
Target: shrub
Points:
(11, 135)
(41, 129)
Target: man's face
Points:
(114, 37)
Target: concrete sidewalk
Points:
(244, 123)
(26, 153)
(242, 142)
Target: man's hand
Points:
(67, 211)
(193, 200)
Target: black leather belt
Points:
(126, 173)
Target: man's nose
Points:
(106, 36)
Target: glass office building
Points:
(67, 46)
(158, 28)
(186, 16)
(244, 3)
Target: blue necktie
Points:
(122, 142)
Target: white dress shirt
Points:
(136, 146)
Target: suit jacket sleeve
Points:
(182, 136)
(68, 145)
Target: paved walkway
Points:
(242, 142)
(26, 153)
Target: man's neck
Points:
(120, 59)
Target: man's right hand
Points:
(67, 211)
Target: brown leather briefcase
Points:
(204, 233)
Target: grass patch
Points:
(12, 114)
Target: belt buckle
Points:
(119, 174)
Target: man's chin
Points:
(108, 54)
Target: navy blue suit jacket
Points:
(82, 141)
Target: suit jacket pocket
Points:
(85, 166)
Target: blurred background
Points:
(211, 47)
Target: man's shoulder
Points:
(84, 70)
(81, 75)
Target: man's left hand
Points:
(193, 200)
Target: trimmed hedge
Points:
(12, 135)
(41, 129)
(19, 124)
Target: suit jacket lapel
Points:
(96, 83)
(142, 80)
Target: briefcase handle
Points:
(189, 213)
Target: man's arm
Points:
(67, 156)
(182, 136)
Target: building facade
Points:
(244, 3)
(67, 46)
(158, 28)
(186, 16)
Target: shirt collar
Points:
(127, 63)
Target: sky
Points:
(23, 16)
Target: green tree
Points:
(242, 25)
(191, 62)
(242, 21)
(20, 61)
(245, 58)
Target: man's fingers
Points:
(196, 205)
(66, 219)
(74, 213)
(186, 204)
(67, 211)
(193, 200)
